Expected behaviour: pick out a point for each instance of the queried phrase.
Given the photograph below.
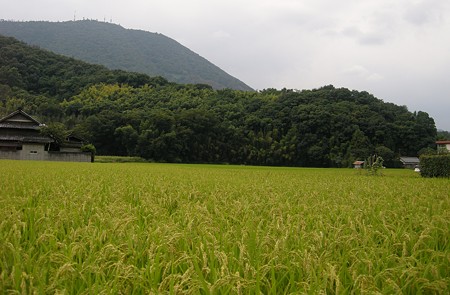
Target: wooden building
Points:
(410, 162)
(21, 139)
(358, 164)
(443, 146)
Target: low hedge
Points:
(435, 165)
(119, 159)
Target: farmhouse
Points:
(410, 162)
(358, 164)
(443, 145)
(21, 139)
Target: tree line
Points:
(132, 114)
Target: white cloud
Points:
(361, 72)
(219, 35)
(374, 77)
(356, 70)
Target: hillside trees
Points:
(360, 145)
(118, 48)
(133, 114)
(443, 135)
(186, 124)
(175, 123)
(36, 71)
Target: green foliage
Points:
(389, 158)
(427, 151)
(89, 148)
(55, 130)
(360, 145)
(128, 138)
(442, 150)
(373, 164)
(119, 159)
(167, 122)
(443, 135)
(41, 72)
(435, 165)
(130, 50)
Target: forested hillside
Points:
(132, 114)
(118, 48)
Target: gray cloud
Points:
(365, 38)
(423, 12)
(397, 50)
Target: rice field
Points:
(141, 228)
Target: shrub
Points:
(119, 159)
(435, 165)
(373, 164)
(89, 148)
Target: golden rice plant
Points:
(122, 228)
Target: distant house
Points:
(72, 144)
(443, 145)
(410, 162)
(21, 139)
(358, 164)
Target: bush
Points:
(89, 148)
(373, 164)
(435, 165)
(119, 159)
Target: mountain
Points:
(118, 48)
(125, 113)
(33, 71)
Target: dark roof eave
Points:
(26, 139)
(19, 111)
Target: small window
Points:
(33, 152)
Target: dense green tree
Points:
(127, 138)
(443, 135)
(132, 114)
(360, 146)
(57, 131)
(389, 157)
(130, 50)
(10, 76)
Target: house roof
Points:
(75, 138)
(21, 127)
(10, 143)
(358, 162)
(22, 138)
(443, 142)
(409, 160)
(72, 144)
(19, 120)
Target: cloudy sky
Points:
(397, 50)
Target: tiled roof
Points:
(411, 160)
(13, 117)
(30, 139)
(15, 125)
(71, 144)
(20, 127)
